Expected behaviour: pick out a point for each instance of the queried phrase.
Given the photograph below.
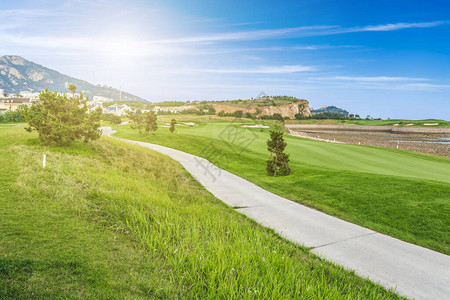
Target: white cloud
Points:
(285, 69)
(424, 86)
(246, 35)
(380, 83)
(295, 32)
(370, 79)
(398, 26)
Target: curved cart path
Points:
(414, 271)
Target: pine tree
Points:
(278, 163)
(144, 122)
(136, 120)
(150, 122)
(60, 120)
(172, 125)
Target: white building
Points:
(117, 109)
(101, 99)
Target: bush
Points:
(250, 116)
(144, 122)
(112, 118)
(238, 113)
(60, 120)
(12, 116)
(277, 116)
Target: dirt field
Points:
(431, 143)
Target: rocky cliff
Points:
(286, 110)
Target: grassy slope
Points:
(400, 193)
(110, 220)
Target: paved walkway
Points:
(415, 271)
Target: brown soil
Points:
(424, 143)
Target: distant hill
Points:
(331, 109)
(263, 101)
(18, 74)
(265, 106)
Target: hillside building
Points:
(13, 103)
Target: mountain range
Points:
(18, 74)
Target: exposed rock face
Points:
(18, 74)
(286, 110)
(35, 75)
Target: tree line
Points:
(11, 116)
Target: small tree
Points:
(150, 121)
(136, 120)
(172, 125)
(73, 88)
(278, 163)
(60, 120)
(112, 118)
(144, 122)
(238, 113)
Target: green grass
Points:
(113, 221)
(400, 193)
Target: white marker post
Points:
(43, 161)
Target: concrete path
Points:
(414, 271)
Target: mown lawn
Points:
(396, 192)
(113, 221)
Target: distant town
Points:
(13, 101)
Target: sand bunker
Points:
(430, 124)
(256, 126)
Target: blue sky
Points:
(378, 58)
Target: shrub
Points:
(238, 113)
(60, 120)
(144, 122)
(112, 118)
(12, 116)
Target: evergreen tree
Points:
(73, 88)
(150, 121)
(144, 122)
(137, 120)
(60, 120)
(278, 163)
(172, 125)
